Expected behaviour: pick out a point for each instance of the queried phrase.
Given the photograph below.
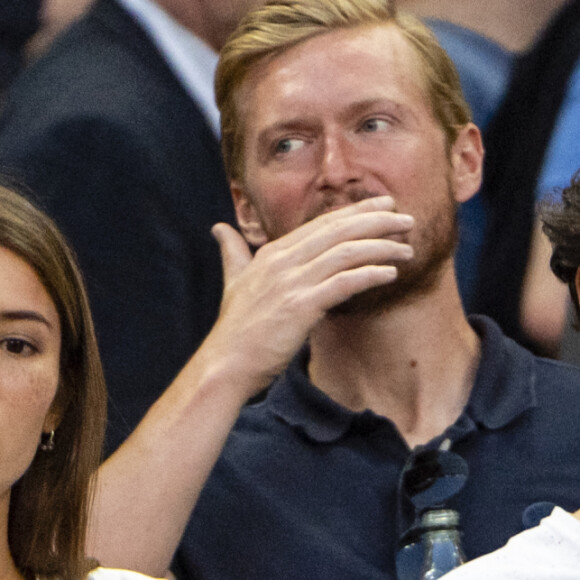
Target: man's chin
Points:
(370, 302)
(413, 283)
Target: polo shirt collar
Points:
(504, 389)
(295, 400)
(505, 383)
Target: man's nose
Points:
(338, 163)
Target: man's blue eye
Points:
(288, 145)
(283, 146)
(374, 125)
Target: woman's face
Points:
(30, 338)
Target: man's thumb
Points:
(234, 250)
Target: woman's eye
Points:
(288, 145)
(375, 125)
(18, 346)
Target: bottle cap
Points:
(440, 519)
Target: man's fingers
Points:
(355, 254)
(371, 218)
(344, 285)
(234, 250)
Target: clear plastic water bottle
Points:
(441, 542)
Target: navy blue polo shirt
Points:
(306, 489)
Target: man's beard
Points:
(416, 278)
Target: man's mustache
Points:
(336, 200)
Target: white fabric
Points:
(113, 574)
(550, 551)
(192, 60)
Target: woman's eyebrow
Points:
(24, 315)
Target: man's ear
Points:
(467, 163)
(247, 216)
(577, 282)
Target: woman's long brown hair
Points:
(49, 504)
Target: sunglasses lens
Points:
(433, 477)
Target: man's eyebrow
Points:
(24, 315)
(292, 124)
(362, 106)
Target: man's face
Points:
(337, 118)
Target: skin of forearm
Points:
(147, 489)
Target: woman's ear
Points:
(56, 410)
(467, 163)
(51, 421)
(247, 216)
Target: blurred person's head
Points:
(54, 17)
(561, 223)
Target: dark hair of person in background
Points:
(49, 504)
(561, 223)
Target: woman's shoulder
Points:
(115, 574)
(546, 552)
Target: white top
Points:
(192, 61)
(550, 551)
(110, 574)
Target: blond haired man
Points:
(348, 146)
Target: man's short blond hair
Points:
(280, 24)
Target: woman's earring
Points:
(47, 441)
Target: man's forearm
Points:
(147, 489)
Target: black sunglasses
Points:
(429, 479)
